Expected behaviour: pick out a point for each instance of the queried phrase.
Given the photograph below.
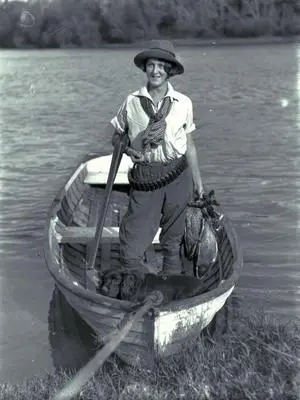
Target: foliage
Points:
(88, 23)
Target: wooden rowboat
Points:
(69, 232)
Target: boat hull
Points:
(70, 227)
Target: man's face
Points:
(156, 73)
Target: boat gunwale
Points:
(88, 295)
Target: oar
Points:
(119, 148)
(81, 378)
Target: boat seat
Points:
(78, 234)
(98, 170)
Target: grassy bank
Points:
(256, 359)
(90, 23)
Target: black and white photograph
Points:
(150, 199)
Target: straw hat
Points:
(162, 50)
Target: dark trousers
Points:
(147, 210)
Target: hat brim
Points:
(142, 57)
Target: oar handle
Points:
(153, 299)
(119, 148)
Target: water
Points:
(55, 105)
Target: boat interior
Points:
(73, 223)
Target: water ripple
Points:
(245, 105)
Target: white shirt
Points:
(179, 123)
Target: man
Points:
(158, 121)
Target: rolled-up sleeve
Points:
(119, 121)
(190, 125)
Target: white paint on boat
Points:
(98, 169)
(74, 176)
(54, 230)
(170, 325)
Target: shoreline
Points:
(250, 342)
(238, 41)
(180, 42)
(210, 42)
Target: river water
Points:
(54, 106)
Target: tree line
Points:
(90, 23)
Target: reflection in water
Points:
(297, 162)
(248, 112)
(72, 341)
(298, 86)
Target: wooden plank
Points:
(91, 275)
(80, 247)
(79, 217)
(74, 264)
(74, 255)
(92, 220)
(227, 271)
(72, 261)
(106, 245)
(100, 178)
(84, 234)
(65, 213)
(77, 189)
(225, 253)
(72, 199)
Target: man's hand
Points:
(116, 138)
(133, 154)
(193, 162)
(198, 190)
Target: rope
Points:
(153, 135)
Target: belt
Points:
(152, 176)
